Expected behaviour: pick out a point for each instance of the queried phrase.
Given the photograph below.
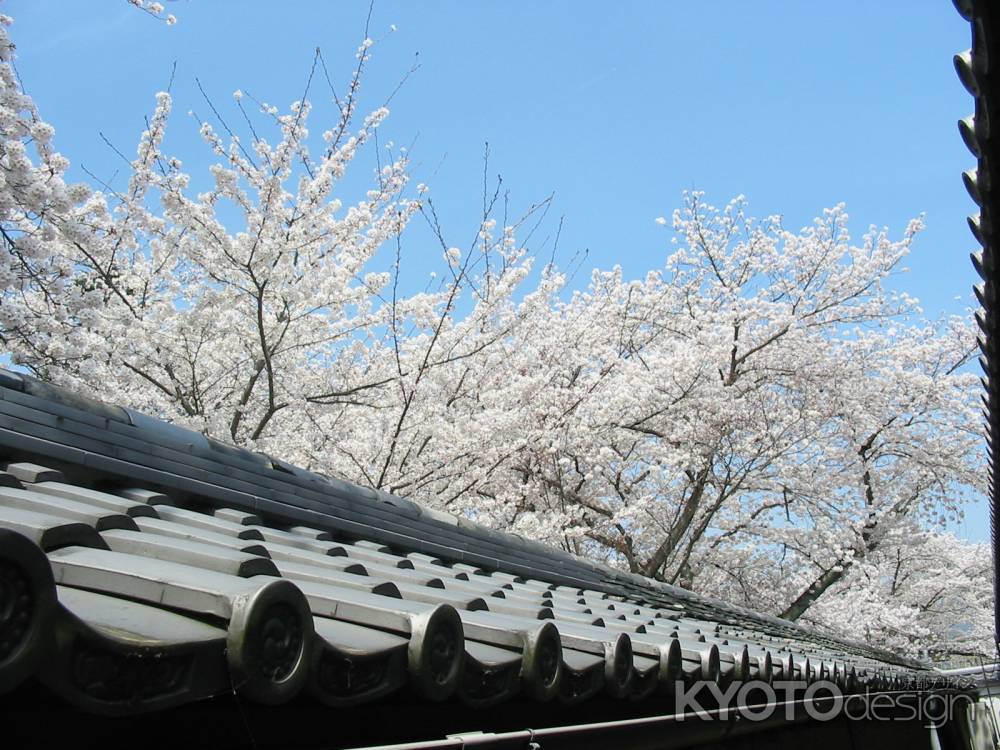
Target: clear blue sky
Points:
(616, 108)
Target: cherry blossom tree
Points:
(758, 418)
(40, 218)
(155, 10)
(924, 594)
(712, 392)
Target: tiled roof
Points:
(979, 132)
(143, 566)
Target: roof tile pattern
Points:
(143, 566)
(978, 132)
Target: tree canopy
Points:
(758, 418)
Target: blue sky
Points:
(616, 108)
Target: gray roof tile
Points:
(141, 495)
(356, 664)
(237, 516)
(99, 518)
(223, 548)
(181, 530)
(117, 656)
(29, 472)
(207, 522)
(94, 498)
(50, 531)
(189, 552)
